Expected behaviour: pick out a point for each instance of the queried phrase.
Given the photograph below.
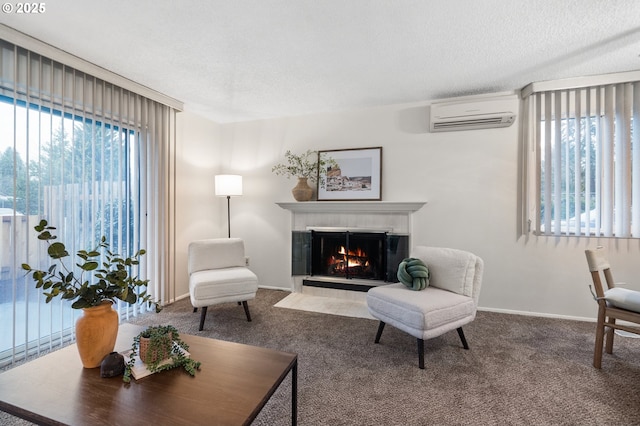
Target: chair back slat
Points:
(597, 259)
(599, 266)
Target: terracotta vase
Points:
(96, 332)
(302, 191)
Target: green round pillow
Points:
(413, 273)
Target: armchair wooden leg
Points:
(461, 334)
(246, 310)
(203, 314)
(421, 354)
(379, 333)
(608, 347)
(597, 352)
(195, 309)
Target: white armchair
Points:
(449, 302)
(218, 274)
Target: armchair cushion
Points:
(623, 298)
(222, 285)
(423, 314)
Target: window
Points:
(78, 173)
(584, 159)
(93, 159)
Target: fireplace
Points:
(347, 258)
(392, 218)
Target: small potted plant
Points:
(104, 278)
(160, 348)
(304, 167)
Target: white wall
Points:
(197, 209)
(469, 179)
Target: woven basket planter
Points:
(158, 354)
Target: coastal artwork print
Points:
(350, 174)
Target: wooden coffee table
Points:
(234, 383)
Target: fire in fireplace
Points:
(354, 261)
(345, 254)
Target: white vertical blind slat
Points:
(577, 181)
(623, 118)
(619, 162)
(548, 164)
(557, 164)
(635, 154)
(535, 132)
(607, 162)
(598, 175)
(566, 179)
(587, 160)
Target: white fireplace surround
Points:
(394, 216)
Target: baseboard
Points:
(184, 296)
(270, 287)
(536, 314)
(177, 298)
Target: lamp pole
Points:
(229, 216)
(228, 186)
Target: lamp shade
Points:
(228, 185)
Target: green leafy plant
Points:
(303, 165)
(164, 344)
(98, 281)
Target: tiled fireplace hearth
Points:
(347, 245)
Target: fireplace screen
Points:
(345, 254)
(348, 254)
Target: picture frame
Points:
(357, 176)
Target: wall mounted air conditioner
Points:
(480, 114)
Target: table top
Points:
(234, 382)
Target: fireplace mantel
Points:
(353, 206)
(395, 215)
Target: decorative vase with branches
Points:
(104, 277)
(304, 167)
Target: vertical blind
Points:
(585, 162)
(93, 159)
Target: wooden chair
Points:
(614, 303)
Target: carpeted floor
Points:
(519, 371)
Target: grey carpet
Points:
(519, 370)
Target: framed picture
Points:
(350, 174)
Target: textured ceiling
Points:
(234, 60)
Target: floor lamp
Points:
(228, 186)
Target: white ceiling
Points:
(235, 60)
